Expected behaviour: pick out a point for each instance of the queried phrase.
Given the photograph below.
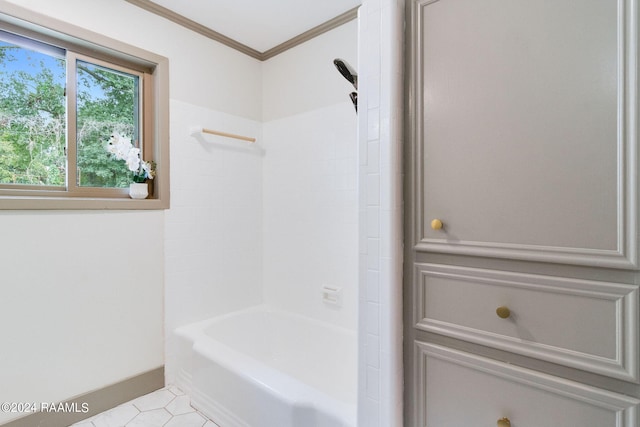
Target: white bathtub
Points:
(267, 368)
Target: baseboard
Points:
(96, 401)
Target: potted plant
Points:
(121, 148)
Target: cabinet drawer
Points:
(454, 388)
(583, 324)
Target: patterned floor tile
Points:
(153, 418)
(175, 390)
(116, 417)
(156, 400)
(187, 420)
(167, 407)
(180, 405)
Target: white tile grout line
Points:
(110, 418)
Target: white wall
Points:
(81, 302)
(310, 178)
(78, 314)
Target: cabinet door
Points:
(525, 129)
(461, 389)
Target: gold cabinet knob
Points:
(503, 313)
(436, 224)
(504, 422)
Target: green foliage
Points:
(33, 120)
(32, 124)
(106, 101)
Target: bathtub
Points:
(262, 367)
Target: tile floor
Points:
(167, 407)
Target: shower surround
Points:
(269, 223)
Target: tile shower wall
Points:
(213, 245)
(310, 178)
(310, 207)
(380, 187)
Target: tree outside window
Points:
(34, 122)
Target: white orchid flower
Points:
(133, 159)
(122, 149)
(119, 146)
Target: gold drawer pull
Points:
(504, 422)
(436, 224)
(503, 313)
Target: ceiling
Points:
(260, 25)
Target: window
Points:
(32, 113)
(107, 101)
(61, 100)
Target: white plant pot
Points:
(138, 190)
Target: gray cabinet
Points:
(521, 226)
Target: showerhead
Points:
(354, 99)
(346, 70)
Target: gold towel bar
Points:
(228, 135)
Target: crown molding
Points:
(314, 32)
(156, 9)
